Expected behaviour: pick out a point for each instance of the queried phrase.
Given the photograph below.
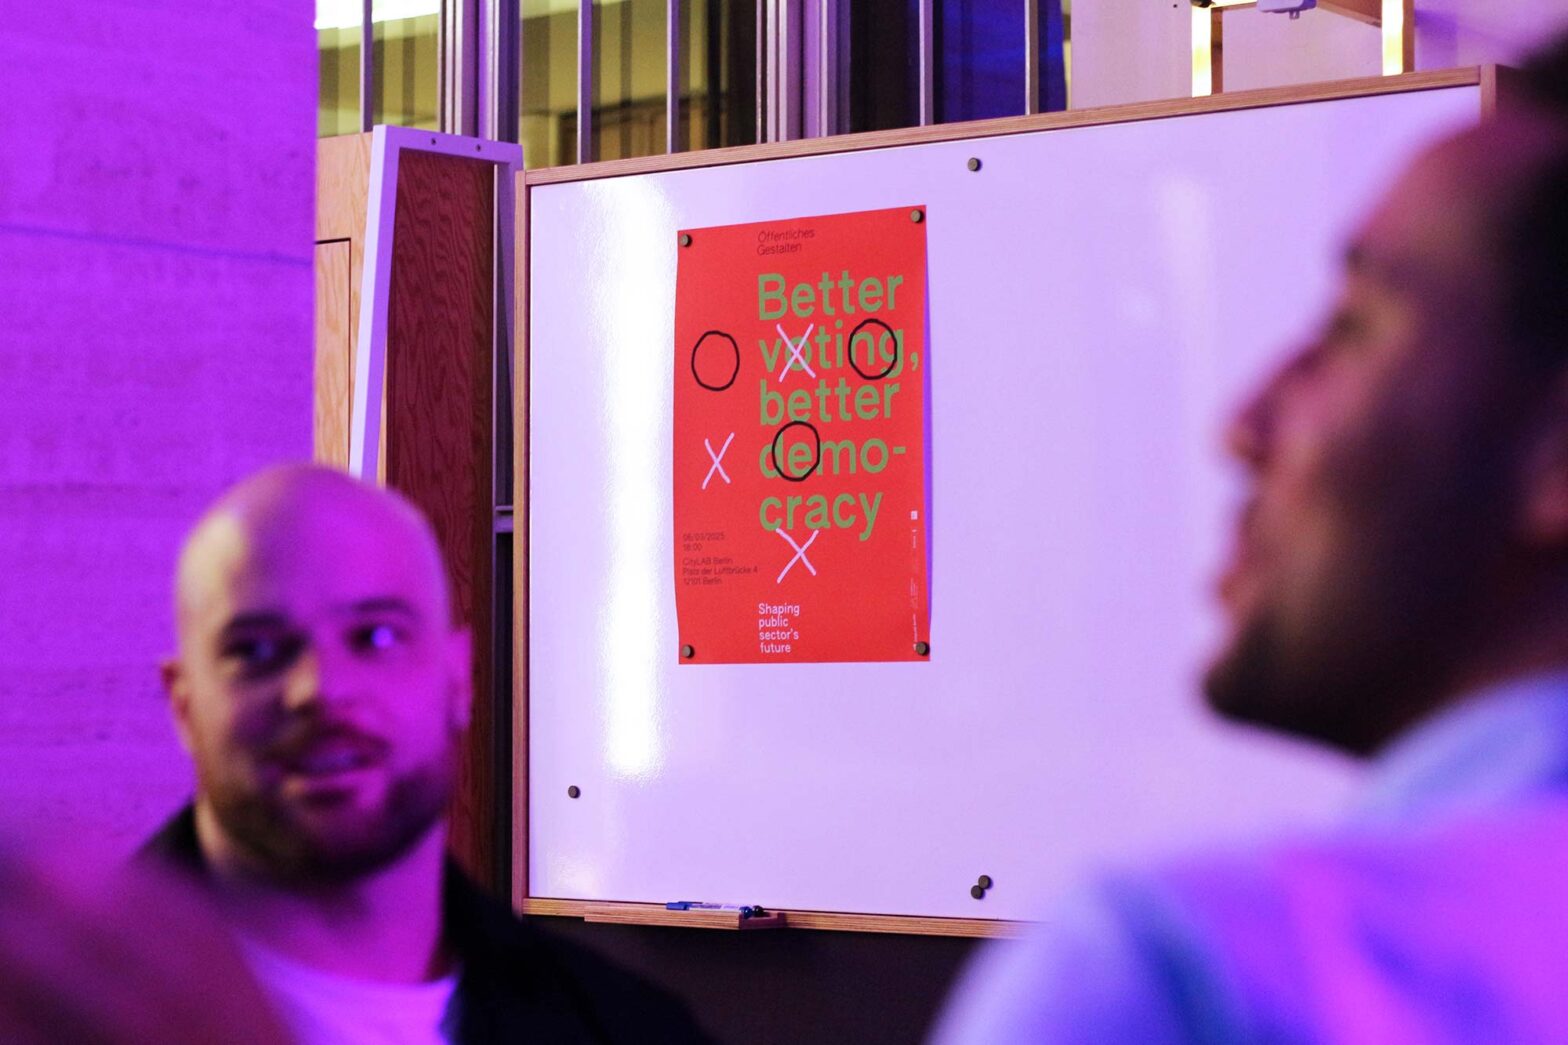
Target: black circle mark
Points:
(733, 373)
(774, 451)
(891, 363)
(573, 791)
(984, 881)
(977, 892)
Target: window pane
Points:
(884, 65)
(629, 50)
(406, 64)
(407, 68)
(980, 51)
(718, 77)
(337, 43)
(722, 84)
(979, 68)
(549, 75)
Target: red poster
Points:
(800, 459)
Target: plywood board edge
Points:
(1499, 89)
(1369, 86)
(830, 921)
(520, 372)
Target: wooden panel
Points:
(656, 914)
(1255, 99)
(1216, 52)
(334, 351)
(439, 443)
(1369, 12)
(342, 186)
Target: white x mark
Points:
(717, 467)
(800, 552)
(795, 350)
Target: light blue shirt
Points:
(1439, 913)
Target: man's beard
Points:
(291, 852)
(1334, 694)
(1374, 645)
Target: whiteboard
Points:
(1099, 298)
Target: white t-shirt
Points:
(321, 1008)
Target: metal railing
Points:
(802, 64)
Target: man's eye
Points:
(259, 653)
(378, 638)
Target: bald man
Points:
(1398, 590)
(321, 690)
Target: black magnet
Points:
(977, 892)
(984, 881)
(688, 652)
(922, 648)
(974, 163)
(685, 239)
(573, 791)
(917, 216)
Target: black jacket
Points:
(517, 983)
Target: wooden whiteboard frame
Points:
(1484, 77)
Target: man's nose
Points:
(317, 676)
(1250, 434)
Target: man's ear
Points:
(175, 684)
(460, 677)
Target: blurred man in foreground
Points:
(91, 952)
(1399, 590)
(322, 692)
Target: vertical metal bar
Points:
(827, 67)
(468, 67)
(926, 27)
(489, 58)
(500, 81)
(790, 61)
(672, 78)
(1217, 49)
(443, 69)
(775, 91)
(762, 68)
(1032, 56)
(459, 57)
(367, 65)
(719, 120)
(584, 81)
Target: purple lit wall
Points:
(155, 273)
